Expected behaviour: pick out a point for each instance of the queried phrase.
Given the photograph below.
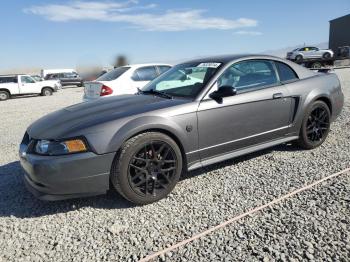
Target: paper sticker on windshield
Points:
(212, 65)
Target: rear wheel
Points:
(46, 91)
(315, 126)
(327, 55)
(4, 95)
(147, 168)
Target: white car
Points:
(15, 85)
(123, 80)
(305, 53)
(56, 83)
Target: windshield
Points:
(184, 80)
(37, 78)
(114, 74)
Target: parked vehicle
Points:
(305, 53)
(143, 142)
(45, 72)
(38, 78)
(66, 79)
(15, 85)
(123, 80)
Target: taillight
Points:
(105, 91)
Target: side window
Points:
(145, 74)
(163, 69)
(70, 75)
(8, 79)
(27, 79)
(249, 75)
(286, 73)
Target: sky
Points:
(67, 34)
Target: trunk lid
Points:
(92, 90)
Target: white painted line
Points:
(234, 219)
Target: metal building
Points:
(339, 35)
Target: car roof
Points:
(12, 75)
(301, 71)
(229, 58)
(146, 64)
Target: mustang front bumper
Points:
(67, 176)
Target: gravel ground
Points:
(109, 228)
(313, 225)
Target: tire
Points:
(326, 55)
(314, 129)
(46, 91)
(298, 58)
(80, 85)
(4, 95)
(147, 168)
(316, 65)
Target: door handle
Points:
(277, 96)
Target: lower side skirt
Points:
(244, 151)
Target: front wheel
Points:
(147, 168)
(316, 65)
(46, 91)
(315, 126)
(298, 58)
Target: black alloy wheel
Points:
(152, 168)
(315, 126)
(147, 167)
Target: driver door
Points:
(28, 85)
(259, 112)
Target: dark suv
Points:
(67, 79)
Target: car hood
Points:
(62, 123)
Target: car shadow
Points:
(17, 201)
(24, 96)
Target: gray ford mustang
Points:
(196, 114)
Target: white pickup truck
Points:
(15, 85)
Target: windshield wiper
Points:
(155, 92)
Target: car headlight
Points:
(54, 148)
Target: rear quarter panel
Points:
(11, 87)
(308, 90)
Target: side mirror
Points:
(223, 91)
